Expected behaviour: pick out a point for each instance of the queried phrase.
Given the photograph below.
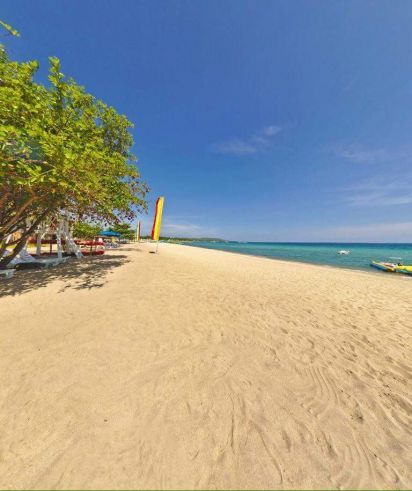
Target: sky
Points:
(257, 120)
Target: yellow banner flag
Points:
(158, 218)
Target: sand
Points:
(204, 369)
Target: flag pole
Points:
(138, 231)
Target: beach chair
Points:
(24, 260)
(46, 262)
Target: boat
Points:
(404, 270)
(94, 247)
(343, 252)
(388, 267)
(392, 267)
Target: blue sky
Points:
(257, 120)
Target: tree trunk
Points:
(3, 198)
(19, 246)
(3, 247)
(4, 261)
(4, 230)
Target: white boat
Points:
(343, 252)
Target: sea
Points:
(360, 256)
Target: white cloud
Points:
(371, 232)
(173, 228)
(258, 142)
(377, 232)
(170, 226)
(271, 130)
(379, 199)
(366, 155)
(176, 226)
(235, 147)
(380, 191)
(362, 155)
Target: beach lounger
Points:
(24, 260)
(26, 257)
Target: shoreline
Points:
(195, 369)
(372, 271)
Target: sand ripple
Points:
(203, 369)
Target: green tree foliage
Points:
(126, 231)
(84, 230)
(9, 29)
(61, 151)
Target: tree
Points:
(126, 231)
(61, 151)
(84, 230)
(9, 29)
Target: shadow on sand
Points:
(90, 272)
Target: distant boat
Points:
(343, 252)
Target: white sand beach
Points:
(195, 368)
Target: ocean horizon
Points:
(361, 254)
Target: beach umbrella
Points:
(109, 233)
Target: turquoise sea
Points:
(320, 253)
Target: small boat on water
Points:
(392, 267)
(343, 252)
(388, 267)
